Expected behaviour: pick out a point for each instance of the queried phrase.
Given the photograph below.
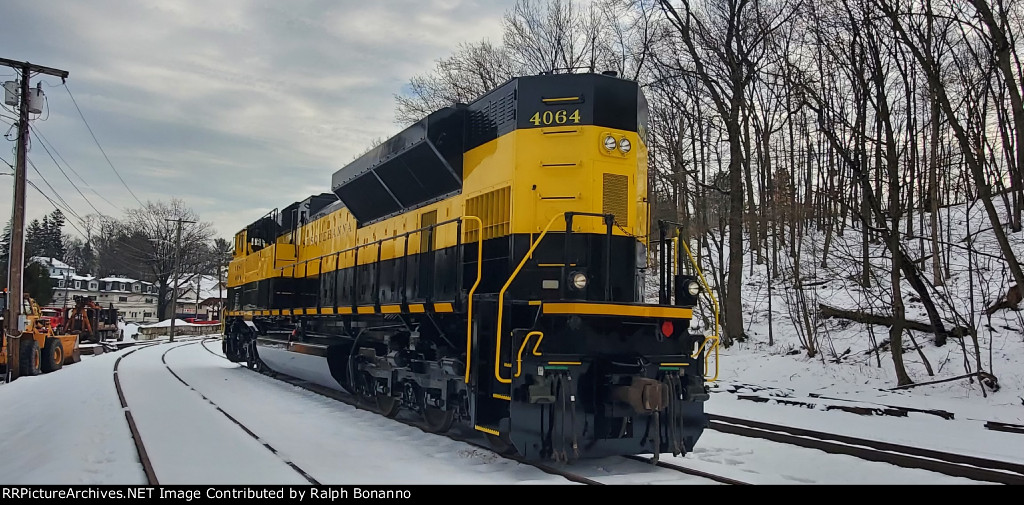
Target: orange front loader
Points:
(40, 351)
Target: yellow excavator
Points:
(39, 349)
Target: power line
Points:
(45, 141)
(68, 178)
(55, 193)
(101, 147)
(30, 183)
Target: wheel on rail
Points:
(501, 444)
(387, 406)
(370, 398)
(438, 420)
(252, 359)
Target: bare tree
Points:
(147, 231)
(552, 35)
(725, 41)
(913, 36)
(462, 77)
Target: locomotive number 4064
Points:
(557, 117)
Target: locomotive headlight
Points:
(579, 280)
(609, 143)
(693, 288)
(625, 146)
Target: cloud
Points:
(235, 107)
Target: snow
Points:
(50, 262)
(129, 330)
(166, 323)
(79, 435)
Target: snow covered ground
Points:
(68, 427)
(80, 435)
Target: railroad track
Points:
(861, 407)
(353, 401)
(689, 471)
(566, 473)
(140, 447)
(957, 465)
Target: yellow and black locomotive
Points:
(485, 266)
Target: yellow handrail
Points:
(675, 253)
(519, 357)
(501, 299)
(378, 243)
(715, 338)
(479, 270)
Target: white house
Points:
(134, 300)
(200, 296)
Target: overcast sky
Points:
(236, 107)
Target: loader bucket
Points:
(72, 354)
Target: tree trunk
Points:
(1001, 46)
(973, 162)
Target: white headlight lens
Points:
(609, 143)
(693, 288)
(579, 280)
(624, 145)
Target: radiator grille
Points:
(494, 208)
(616, 196)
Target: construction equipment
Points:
(91, 322)
(40, 350)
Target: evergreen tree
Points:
(35, 238)
(87, 258)
(53, 231)
(46, 238)
(5, 252)
(38, 284)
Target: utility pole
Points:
(16, 263)
(177, 272)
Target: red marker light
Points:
(667, 328)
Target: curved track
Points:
(204, 384)
(303, 473)
(329, 445)
(566, 471)
(140, 447)
(168, 457)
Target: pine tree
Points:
(38, 284)
(54, 245)
(5, 252)
(35, 238)
(88, 258)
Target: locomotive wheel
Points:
(251, 359)
(501, 444)
(438, 420)
(384, 405)
(387, 406)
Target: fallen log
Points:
(990, 380)
(868, 318)
(1011, 300)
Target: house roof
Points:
(52, 262)
(208, 287)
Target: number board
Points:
(555, 117)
